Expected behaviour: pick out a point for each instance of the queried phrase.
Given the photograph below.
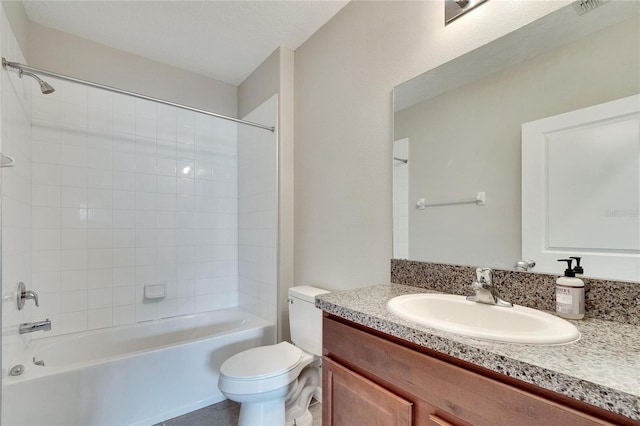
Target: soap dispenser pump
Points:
(577, 269)
(569, 294)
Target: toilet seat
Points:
(262, 362)
(262, 369)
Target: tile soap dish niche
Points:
(154, 292)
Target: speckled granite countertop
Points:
(602, 368)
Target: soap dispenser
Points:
(569, 294)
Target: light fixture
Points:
(454, 9)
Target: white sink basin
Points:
(457, 315)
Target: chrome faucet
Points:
(524, 265)
(30, 327)
(485, 290)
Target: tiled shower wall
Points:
(258, 213)
(16, 197)
(128, 192)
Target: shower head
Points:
(45, 87)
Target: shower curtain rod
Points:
(23, 67)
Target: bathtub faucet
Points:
(30, 327)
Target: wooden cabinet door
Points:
(438, 421)
(350, 399)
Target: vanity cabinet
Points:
(370, 378)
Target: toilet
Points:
(274, 384)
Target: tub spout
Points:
(30, 327)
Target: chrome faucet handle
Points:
(24, 295)
(485, 291)
(524, 265)
(483, 276)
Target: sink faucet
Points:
(30, 327)
(485, 290)
(524, 265)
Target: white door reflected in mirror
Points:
(581, 189)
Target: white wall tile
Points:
(123, 315)
(124, 161)
(124, 181)
(73, 117)
(45, 217)
(46, 282)
(45, 195)
(75, 197)
(124, 104)
(124, 295)
(73, 259)
(100, 298)
(72, 93)
(100, 158)
(73, 301)
(100, 198)
(45, 239)
(99, 318)
(44, 152)
(124, 276)
(73, 238)
(45, 174)
(124, 257)
(100, 218)
(100, 238)
(73, 280)
(100, 99)
(185, 305)
(100, 258)
(73, 176)
(98, 278)
(167, 308)
(73, 322)
(115, 207)
(99, 178)
(100, 120)
(124, 237)
(146, 311)
(73, 155)
(124, 219)
(73, 218)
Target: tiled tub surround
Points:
(604, 299)
(127, 192)
(602, 368)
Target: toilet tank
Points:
(305, 320)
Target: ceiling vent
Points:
(584, 6)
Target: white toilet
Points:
(274, 384)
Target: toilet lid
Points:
(262, 362)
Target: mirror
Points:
(458, 126)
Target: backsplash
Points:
(604, 299)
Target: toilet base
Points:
(262, 413)
(304, 420)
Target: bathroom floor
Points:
(225, 413)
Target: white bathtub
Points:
(139, 374)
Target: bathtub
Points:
(138, 374)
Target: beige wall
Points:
(487, 147)
(275, 75)
(64, 53)
(19, 23)
(344, 75)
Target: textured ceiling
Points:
(224, 40)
